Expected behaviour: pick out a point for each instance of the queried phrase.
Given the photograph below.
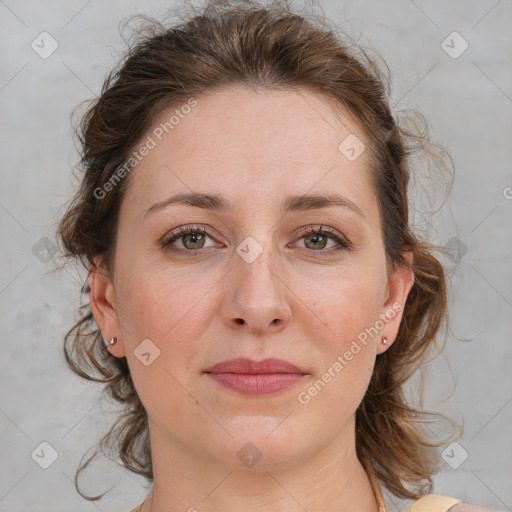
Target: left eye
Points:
(317, 239)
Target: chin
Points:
(260, 446)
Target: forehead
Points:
(266, 142)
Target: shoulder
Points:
(436, 503)
(469, 507)
(428, 503)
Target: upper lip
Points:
(244, 365)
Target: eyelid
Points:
(318, 228)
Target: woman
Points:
(257, 297)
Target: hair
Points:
(268, 47)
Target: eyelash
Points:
(344, 244)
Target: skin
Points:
(299, 301)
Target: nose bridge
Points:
(257, 296)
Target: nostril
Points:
(240, 321)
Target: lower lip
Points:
(256, 384)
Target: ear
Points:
(398, 288)
(103, 307)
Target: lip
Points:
(250, 377)
(245, 365)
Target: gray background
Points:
(468, 103)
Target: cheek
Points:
(345, 356)
(158, 302)
(171, 310)
(347, 303)
(348, 306)
(163, 309)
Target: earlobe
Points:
(103, 307)
(399, 286)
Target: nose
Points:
(257, 300)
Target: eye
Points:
(317, 239)
(192, 238)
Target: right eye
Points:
(192, 239)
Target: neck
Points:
(330, 480)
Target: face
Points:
(269, 275)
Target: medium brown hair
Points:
(266, 47)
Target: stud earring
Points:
(384, 340)
(112, 341)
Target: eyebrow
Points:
(294, 203)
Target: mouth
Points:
(249, 377)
